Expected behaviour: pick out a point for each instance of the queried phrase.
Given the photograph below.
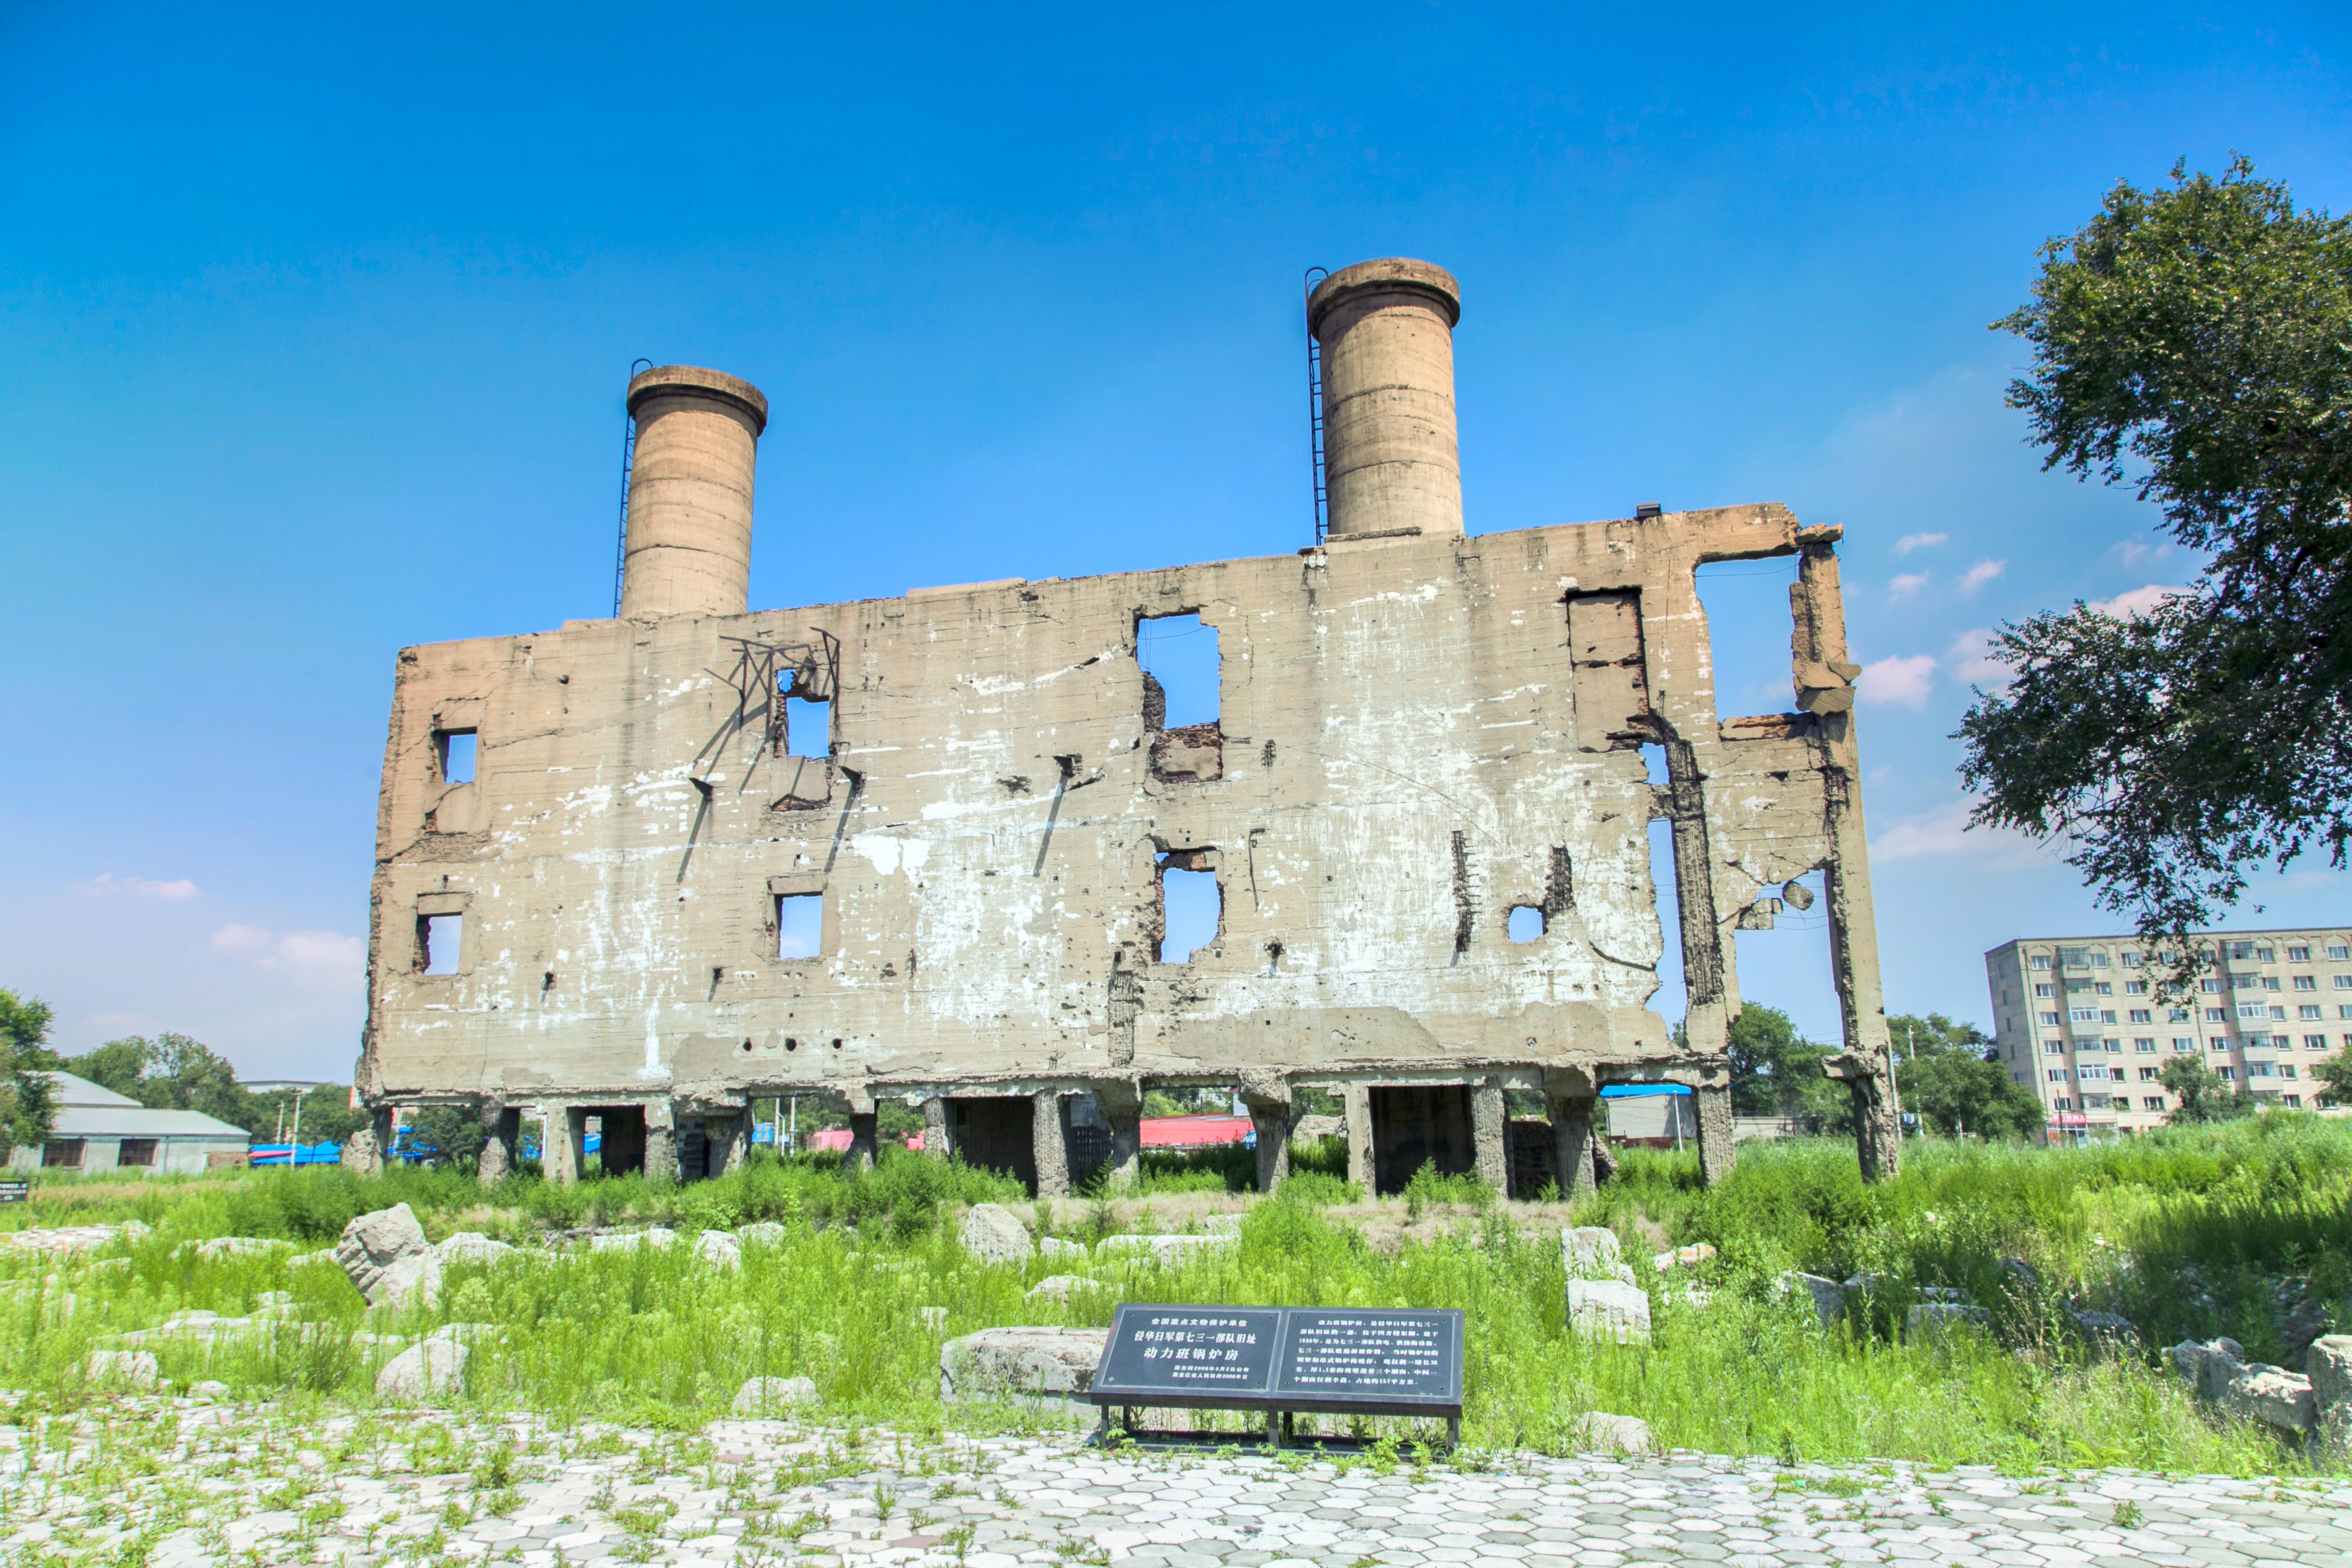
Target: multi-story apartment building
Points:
(2085, 1021)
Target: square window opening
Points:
(1191, 908)
(799, 925)
(138, 1153)
(1745, 606)
(808, 722)
(438, 938)
(1526, 922)
(453, 753)
(62, 1153)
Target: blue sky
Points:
(316, 322)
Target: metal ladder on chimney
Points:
(1315, 414)
(628, 461)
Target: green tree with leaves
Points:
(27, 1093)
(2201, 1094)
(1776, 1071)
(2195, 342)
(173, 1072)
(2336, 1073)
(1950, 1075)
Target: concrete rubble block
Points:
(1592, 1252)
(2305, 1323)
(1062, 1286)
(1610, 1309)
(1054, 1247)
(375, 1242)
(2328, 1363)
(1683, 1256)
(2208, 1368)
(1169, 1250)
(412, 1281)
(224, 1246)
(1828, 1296)
(719, 1248)
(1043, 1365)
(2272, 1395)
(2105, 1330)
(766, 1233)
(765, 1395)
(995, 1234)
(423, 1371)
(473, 1247)
(630, 1240)
(1598, 1432)
(1931, 1321)
(122, 1369)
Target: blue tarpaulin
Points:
(1630, 1090)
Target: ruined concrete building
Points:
(1419, 732)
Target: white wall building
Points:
(2080, 1021)
(98, 1129)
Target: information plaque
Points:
(1284, 1360)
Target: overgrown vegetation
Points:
(2189, 1232)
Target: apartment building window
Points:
(2167, 958)
(2209, 985)
(2342, 982)
(2338, 951)
(2308, 1012)
(2241, 950)
(2217, 1015)
(2176, 1014)
(2315, 1042)
(2294, 1100)
(2269, 982)
(2082, 1015)
(2253, 1010)
(2152, 1102)
(2184, 1042)
(2148, 1074)
(2142, 1044)
(2344, 1012)
(2266, 954)
(2298, 955)
(2306, 983)
(2064, 1103)
(2094, 1102)
(2105, 988)
(2142, 1015)
(2092, 1073)
(2228, 1074)
(2134, 987)
(2258, 1069)
(2058, 1047)
(2218, 1042)
(2131, 961)
(2280, 1042)
(2041, 961)
(2286, 1069)
(2245, 981)
(2057, 1075)
(2046, 989)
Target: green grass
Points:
(2189, 1232)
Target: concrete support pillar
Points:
(368, 1151)
(1491, 1156)
(1714, 1152)
(1359, 1136)
(935, 1127)
(1122, 1110)
(863, 1137)
(661, 1144)
(733, 1136)
(1270, 1120)
(1571, 1144)
(501, 1127)
(1052, 1153)
(567, 1142)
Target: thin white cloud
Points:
(142, 887)
(309, 952)
(1911, 541)
(1901, 681)
(1906, 585)
(2132, 603)
(1970, 660)
(1978, 575)
(1945, 830)
(2136, 553)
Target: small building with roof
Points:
(98, 1129)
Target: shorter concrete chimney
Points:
(689, 543)
(1391, 459)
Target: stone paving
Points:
(172, 1482)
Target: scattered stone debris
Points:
(1592, 1252)
(1597, 1432)
(473, 1247)
(995, 1234)
(1684, 1256)
(1933, 1321)
(122, 1369)
(1062, 1286)
(1609, 1310)
(1045, 1366)
(2316, 1407)
(388, 1260)
(1166, 1249)
(422, 1370)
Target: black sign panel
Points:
(1189, 1355)
(1376, 1362)
(1354, 1357)
(15, 1192)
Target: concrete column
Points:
(1715, 1155)
(1571, 1144)
(690, 541)
(1391, 460)
(735, 1139)
(1487, 1134)
(1121, 1105)
(501, 1127)
(864, 1135)
(661, 1143)
(935, 1127)
(1360, 1171)
(367, 1151)
(1270, 1120)
(564, 1139)
(1052, 1153)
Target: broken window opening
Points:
(808, 722)
(1181, 697)
(438, 938)
(453, 754)
(1526, 922)
(1749, 629)
(799, 925)
(1784, 956)
(1670, 999)
(1191, 906)
(1653, 758)
(137, 1152)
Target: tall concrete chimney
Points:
(689, 545)
(1391, 461)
